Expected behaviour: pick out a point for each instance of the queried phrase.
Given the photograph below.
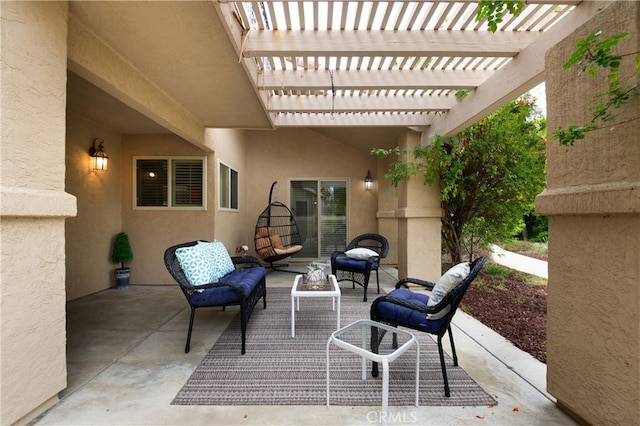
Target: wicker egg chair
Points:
(277, 235)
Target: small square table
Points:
(356, 338)
(301, 288)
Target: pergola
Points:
(349, 68)
(385, 63)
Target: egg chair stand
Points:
(277, 235)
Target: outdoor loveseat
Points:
(209, 277)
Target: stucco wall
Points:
(387, 204)
(419, 221)
(233, 228)
(592, 200)
(260, 157)
(34, 207)
(289, 154)
(89, 235)
(152, 231)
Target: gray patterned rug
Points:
(280, 370)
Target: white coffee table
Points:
(356, 338)
(302, 289)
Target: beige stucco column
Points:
(593, 204)
(387, 199)
(418, 215)
(33, 207)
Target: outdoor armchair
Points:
(427, 313)
(362, 255)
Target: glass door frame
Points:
(318, 225)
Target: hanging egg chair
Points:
(277, 235)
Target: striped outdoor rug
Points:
(280, 370)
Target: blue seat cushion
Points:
(403, 315)
(246, 278)
(349, 264)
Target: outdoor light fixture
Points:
(100, 158)
(368, 181)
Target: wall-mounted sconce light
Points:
(368, 181)
(100, 158)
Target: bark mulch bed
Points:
(513, 306)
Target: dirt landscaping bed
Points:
(514, 306)
(511, 303)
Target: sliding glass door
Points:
(320, 209)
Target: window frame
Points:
(229, 189)
(170, 182)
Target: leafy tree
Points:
(489, 175)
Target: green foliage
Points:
(537, 227)
(494, 269)
(461, 94)
(527, 248)
(494, 11)
(121, 250)
(489, 175)
(593, 54)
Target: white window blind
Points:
(170, 182)
(187, 182)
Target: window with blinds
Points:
(170, 182)
(228, 187)
(187, 182)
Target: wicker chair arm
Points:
(249, 261)
(427, 284)
(191, 289)
(338, 253)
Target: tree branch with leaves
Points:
(489, 175)
(592, 54)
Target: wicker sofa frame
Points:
(246, 302)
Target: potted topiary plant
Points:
(122, 253)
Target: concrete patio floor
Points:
(126, 362)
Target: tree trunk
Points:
(451, 237)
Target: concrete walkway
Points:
(519, 262)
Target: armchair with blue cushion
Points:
(427, 313)
(362, 255)
(209, 277)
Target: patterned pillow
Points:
(196, 263)
(219, 256)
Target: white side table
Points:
(356, 338)
(301, 289)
